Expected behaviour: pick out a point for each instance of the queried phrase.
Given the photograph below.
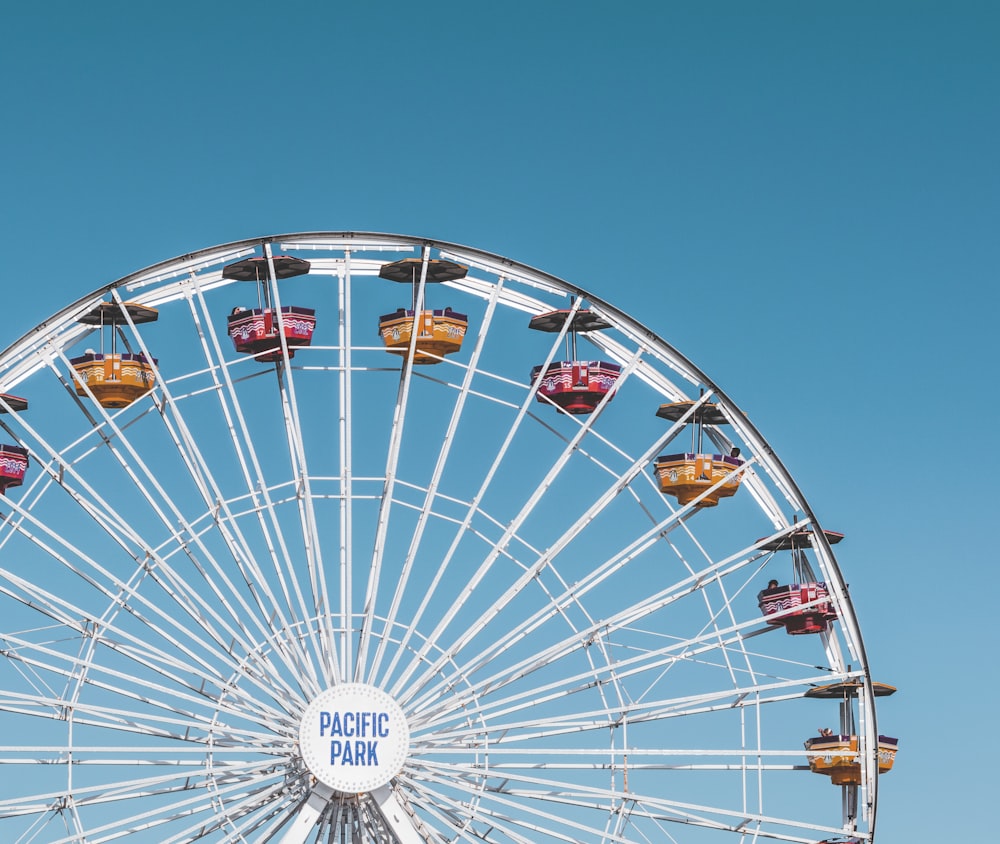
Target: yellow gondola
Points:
(837, 757)
(115, 379)
(438, 332)
(688, 475)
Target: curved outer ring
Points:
(491, 262)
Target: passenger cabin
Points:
(836, 754)
(13, 458)
(259, 331)
(574, 386)
(803, 606)
(438, 332)
(698, 476)
(115, 379)
(798, 607)
(13, 465)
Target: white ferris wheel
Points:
(343, 537)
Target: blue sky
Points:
(802, 198)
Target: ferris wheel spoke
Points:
(345, 386)
(146, 721)
(391, 465)
(179, 778)
(223, 520)
(523, 795)
(595, 580)
(517, 820)
(248, 813)
(311, 544)
(535, 758)
(471, 511)
(510, 533)
(435, 480)
(245, 453)
(522, 733)
(190, 804)
(259, 823)
(179, 589)
(626, 615)
(121, 684)
(321, 605)
(124, 595)
(307, 815)
(126, 456)
(252, 620)
(733, 820)
(294, 611)
(177, 671)
(650, 661)
(737, 646)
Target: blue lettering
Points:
(357, 725)
(353, 754)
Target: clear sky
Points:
(804, 198)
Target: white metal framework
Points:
(579, 658)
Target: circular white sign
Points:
(354, 738)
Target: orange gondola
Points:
(574, 386)
(258, 331)
(696, 475)
(114, 379)
(836, 754)
(438, 332)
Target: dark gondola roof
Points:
(801, 538)
(111, 313)
(255, 269)
(408, 271)
(16, 403)
(583, 320)
(849, 688)
(706, 414)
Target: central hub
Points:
(354, 738)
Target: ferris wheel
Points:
(344, 537)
